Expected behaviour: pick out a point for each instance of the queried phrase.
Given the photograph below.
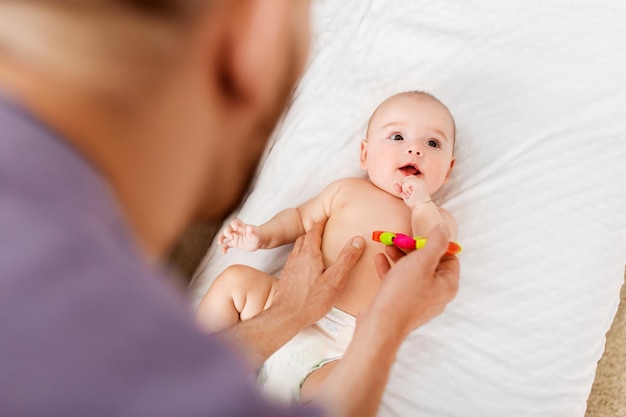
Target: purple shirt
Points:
(88, 326)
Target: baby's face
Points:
(409, 135)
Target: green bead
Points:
(387, 238)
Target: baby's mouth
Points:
(410, 169)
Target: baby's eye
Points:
(396, 136)
(433, 143)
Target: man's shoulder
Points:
(88, 306)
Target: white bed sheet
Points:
(538, 91)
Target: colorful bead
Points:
(403, 241)
(407, 242)
(420, 242)
(387, 238)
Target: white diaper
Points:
(284, 372)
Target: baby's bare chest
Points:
(361, 213)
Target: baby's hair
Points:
(416, 94)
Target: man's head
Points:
(410, 133)
(173, 100)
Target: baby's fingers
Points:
(225, 236)
(236, 224)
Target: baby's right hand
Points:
(241, 236)
(414, 192)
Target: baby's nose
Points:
(414, 150)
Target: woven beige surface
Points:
(608, 395)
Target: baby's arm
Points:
(285, 227)
(424, 212)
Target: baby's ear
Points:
(363, 154)
(452, 162)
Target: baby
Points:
(408, 155)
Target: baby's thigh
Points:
(251, 290)
(313, 383)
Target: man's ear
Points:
(363, 154)
(253, 50)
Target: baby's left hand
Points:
(413, 191)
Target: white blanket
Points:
(538, 91)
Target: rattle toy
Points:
(407, 242)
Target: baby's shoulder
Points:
(349, 186)
(350, 183)
(345, 189)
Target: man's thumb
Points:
(348, 256)
(437, 243)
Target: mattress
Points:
(538, 92)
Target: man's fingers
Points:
(449, 270)
(382, 265)
(436, 244)
(394, 253)
(350, 253)
(311, 239)
(297, 246)
(346, 259)
(314, 235)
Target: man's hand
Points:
(414, 290)
(305, 286)
(419, 285)
(304, 293)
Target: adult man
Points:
(116, 117)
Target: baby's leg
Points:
(239, 293)
(313, 383)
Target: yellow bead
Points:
(420, 242)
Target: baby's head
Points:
(410, 133)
